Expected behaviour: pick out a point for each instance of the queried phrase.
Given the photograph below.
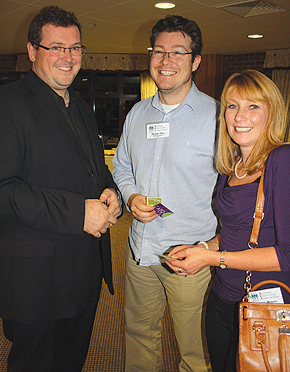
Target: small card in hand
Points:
(151, 200)
(162, 211)
(164, 256)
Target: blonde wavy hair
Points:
(257, 87)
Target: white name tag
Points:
(157, 130)
(271, 295)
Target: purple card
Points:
(162, 211)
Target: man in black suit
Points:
(57, 202)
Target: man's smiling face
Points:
(57, 71)
(173, 77)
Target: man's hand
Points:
(97, 217)
(140, 210)
(110, 198)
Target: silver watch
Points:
(222, 264)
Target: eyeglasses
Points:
(158, 54)
(56, 50)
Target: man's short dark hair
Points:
(185, 26)
(50, 15)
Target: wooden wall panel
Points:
(209, 77)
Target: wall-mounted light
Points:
(255, 36)
(164, 5)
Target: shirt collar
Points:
(189, 100)
(56, 97)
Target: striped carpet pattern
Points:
(107, 347)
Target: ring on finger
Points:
(179, 270)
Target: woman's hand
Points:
(189, 259)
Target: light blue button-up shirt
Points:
(179, 168)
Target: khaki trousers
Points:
(147, 288)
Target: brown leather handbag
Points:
(264, 328)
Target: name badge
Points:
(157, 130)
(270, 295)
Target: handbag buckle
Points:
(283, 316)
(258, 327)
(254, 215)
(252, 245)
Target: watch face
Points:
(222, 260)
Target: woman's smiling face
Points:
(246, 121)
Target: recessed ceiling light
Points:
(255, 36)
(165, 5)
(88, 25)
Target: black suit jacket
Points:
(47, 262)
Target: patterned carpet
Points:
(107, 348)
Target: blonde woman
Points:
(252, 128)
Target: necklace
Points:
(236, 166)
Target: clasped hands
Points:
(186, 259)
(102, 213)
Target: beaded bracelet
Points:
(215, 244)
(205, 244)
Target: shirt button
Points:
(91, 173)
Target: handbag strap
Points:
(258, 285)
(259, 327)
(253, 242)
(260, 331)
(283, 347)
(258, 215)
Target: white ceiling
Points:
(123, 26)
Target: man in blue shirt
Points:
(167, 151)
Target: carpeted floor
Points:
(107, 348)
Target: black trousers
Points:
(222, 333)
(55, 346)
